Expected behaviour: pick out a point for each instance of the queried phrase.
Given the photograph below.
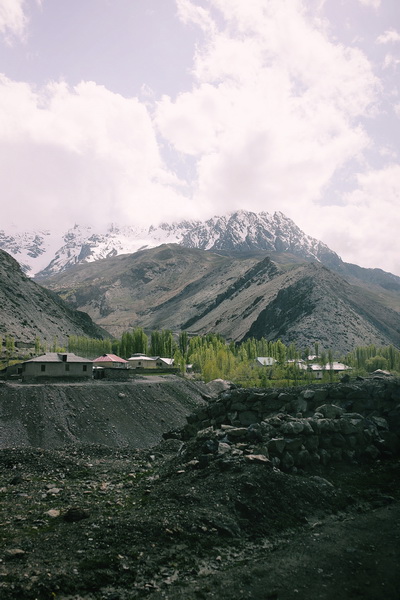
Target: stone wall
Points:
(295, 427)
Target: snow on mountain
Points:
(83, 244)
(32, 249)
(42, 253)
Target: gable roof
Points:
(267, 361)
(144, 358)
(335, 366)
(141, 357)
(167, 361)
(58, 357)
(110, 358)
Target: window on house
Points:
(67, 367)
(84, 367)
(42, 367)
(139, 363)
(159, 364)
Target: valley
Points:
(240, 275)
(237, 296)
(167, 487)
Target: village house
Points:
(110, 361)
(63, 365)
(335, 367)
(141, 361)
(265, 361)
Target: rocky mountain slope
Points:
(246, 295)
(46, 253)
(28, 310)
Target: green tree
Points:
(139, 341)
(330, 360)
(183, 343)
(10, 347)
(376, 362)
(280, 353)
(179, 361)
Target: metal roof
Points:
(335, 366)
(143, 357)
(59, 357)
(110, 358)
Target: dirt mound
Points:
(134, 413)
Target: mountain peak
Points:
(43, 253)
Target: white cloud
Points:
(191, 13)
(83, 154)
(371, 3)
(12, 19)
(275, 111)
(390, 61)
(366, 227)
(391, 35)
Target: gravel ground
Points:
(93, 523)
(108, 511)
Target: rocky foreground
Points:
(209, 512)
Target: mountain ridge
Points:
(45, 254)
(203, 291)
(238, 275)
(240, 230)
(30, 311)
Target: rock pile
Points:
(293, 428)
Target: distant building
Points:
(63, 365)
(111, 361)
(141, 361)
(319, 370)
(298, 362)
(265, 361)
(381, 373)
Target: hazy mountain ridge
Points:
(241, 230)
(239, 275)
(203, 291)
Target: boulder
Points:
(330, 411)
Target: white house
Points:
(319, 370)
(141, 361)
(265, 361)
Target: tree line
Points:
(212, 357)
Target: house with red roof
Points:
(110, 361)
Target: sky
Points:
(142, 111)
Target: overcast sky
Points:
(136, 111)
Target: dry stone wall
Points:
(293, 428)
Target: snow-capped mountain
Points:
(43, 254)
(31, 249)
